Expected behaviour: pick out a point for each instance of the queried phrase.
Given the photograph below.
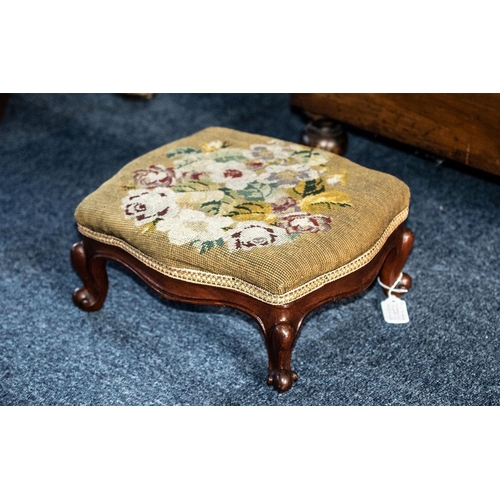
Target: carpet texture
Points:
(143, 350)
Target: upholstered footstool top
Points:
(271, 219)
(272, 228)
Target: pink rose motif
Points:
(155, 176)
(284, 204)
(254, 234)
(305, 223)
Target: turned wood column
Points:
(326, 134)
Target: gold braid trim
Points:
(232, 283)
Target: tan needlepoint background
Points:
(375, 199)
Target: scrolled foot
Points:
(280, 338)
(406, 281)
(83, 299)
(392, 267)
(282, 380)
(92, 271)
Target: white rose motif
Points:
(233, 174)
(148, 205)
(189, 226)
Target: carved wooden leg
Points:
(395, 261)
(325, 134)
(280, 332)
(92, 271)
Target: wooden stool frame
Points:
(280, 324)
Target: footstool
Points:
(268, 227)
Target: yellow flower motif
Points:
(327, 200)
(213, 146)
(268, 218)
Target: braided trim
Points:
(233, 283)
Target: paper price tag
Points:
(395, 311)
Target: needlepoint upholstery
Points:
(269, 218)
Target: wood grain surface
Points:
(461, 127)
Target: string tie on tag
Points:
(392, 289)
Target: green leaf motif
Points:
(303, 154)
(182, 151)
(256, 191)
(309, 188)
(211, 207)
(228, 193)
(225, 159)
(331, 204)
(208, 245)
(190, 186)
(310, 153)
(246, 209)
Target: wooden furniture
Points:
(461, 127)
(266, 255)
(279, 324)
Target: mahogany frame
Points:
(280, 324)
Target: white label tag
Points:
(394, 310)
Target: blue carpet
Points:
(143, 350)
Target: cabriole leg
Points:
(92, 271)
(395, 261)
(280, 333)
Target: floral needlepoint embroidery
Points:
(249, 235)
(214, 195)
(155, 176)
(147, 206)
(305, 223)
(232, 174)
(284, 204)
(288, 175)
(190, 226)
(213, 146)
